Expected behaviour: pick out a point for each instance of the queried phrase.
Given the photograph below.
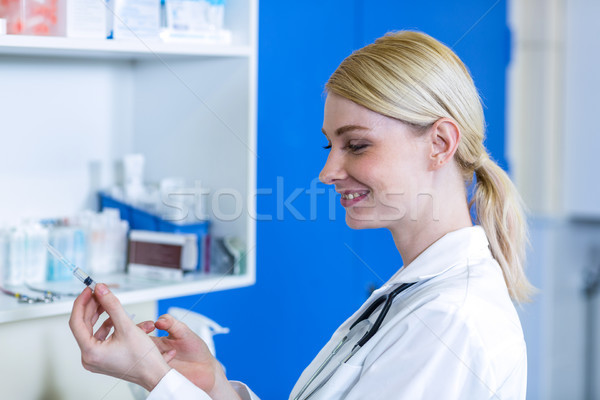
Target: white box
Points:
(133, 19)
(86, 19)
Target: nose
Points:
(333, 170)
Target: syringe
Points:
(77, 272)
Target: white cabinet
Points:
(552, 102)
(552, 95)
(71, 107)
(581, 131)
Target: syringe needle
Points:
(77, 272)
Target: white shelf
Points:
(88, 102)
(119, 49)
(130, 291)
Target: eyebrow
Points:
(346, 128)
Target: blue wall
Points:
(311, 269)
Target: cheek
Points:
(397, 183)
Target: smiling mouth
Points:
(352, 196)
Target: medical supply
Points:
(86, 19)
(143, 219)
(76, 271)
(69, 241)
(133, 19)
(23, 298)
(133, 177)
(176, 202)
(237, 248)
(106, 237)
(15, 273)
(52, 295)
(224, 258)
(201, 325)
(3, 254)
(34, 17)
(159, 255)
(36, 260)
(97, 242)
(361, 324)
(195, 20)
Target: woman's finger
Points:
(174, 327)
(112, 306)
(91, 308)
(82, 331)
(97, 315)
(146, 326)
(104, 330)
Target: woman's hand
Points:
(189, 355)
(128, 353)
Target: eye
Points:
(356, 147)
(327, 147)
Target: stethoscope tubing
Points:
(387, 301)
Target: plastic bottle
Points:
(62, 238)
(120, 250)
(36, 257)
(3, 254)
(15, 273)
(216, 14)
(115, 236)
(133, 174)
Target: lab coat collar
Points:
(445, 253)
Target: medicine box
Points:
(34, 17)
(143, 220)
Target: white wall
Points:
(72, 112)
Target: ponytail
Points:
(500, 212)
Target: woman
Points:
(405, 129)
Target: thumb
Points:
(112, 306)
(174, 327)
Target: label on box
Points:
(86, 19)
(134, 19)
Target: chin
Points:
(362, 222)
(357, 218)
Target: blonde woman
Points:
(405, 131)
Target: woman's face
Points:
(378, 164)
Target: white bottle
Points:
(15, 273)
(112, 228)
(36, 256)
(121, 242)
(3, 254)
(133, 174)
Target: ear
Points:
(445, 136)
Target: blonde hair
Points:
(414, 78)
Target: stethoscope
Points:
(387, 300)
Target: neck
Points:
(413, 235)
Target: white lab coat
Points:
(453, 335)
